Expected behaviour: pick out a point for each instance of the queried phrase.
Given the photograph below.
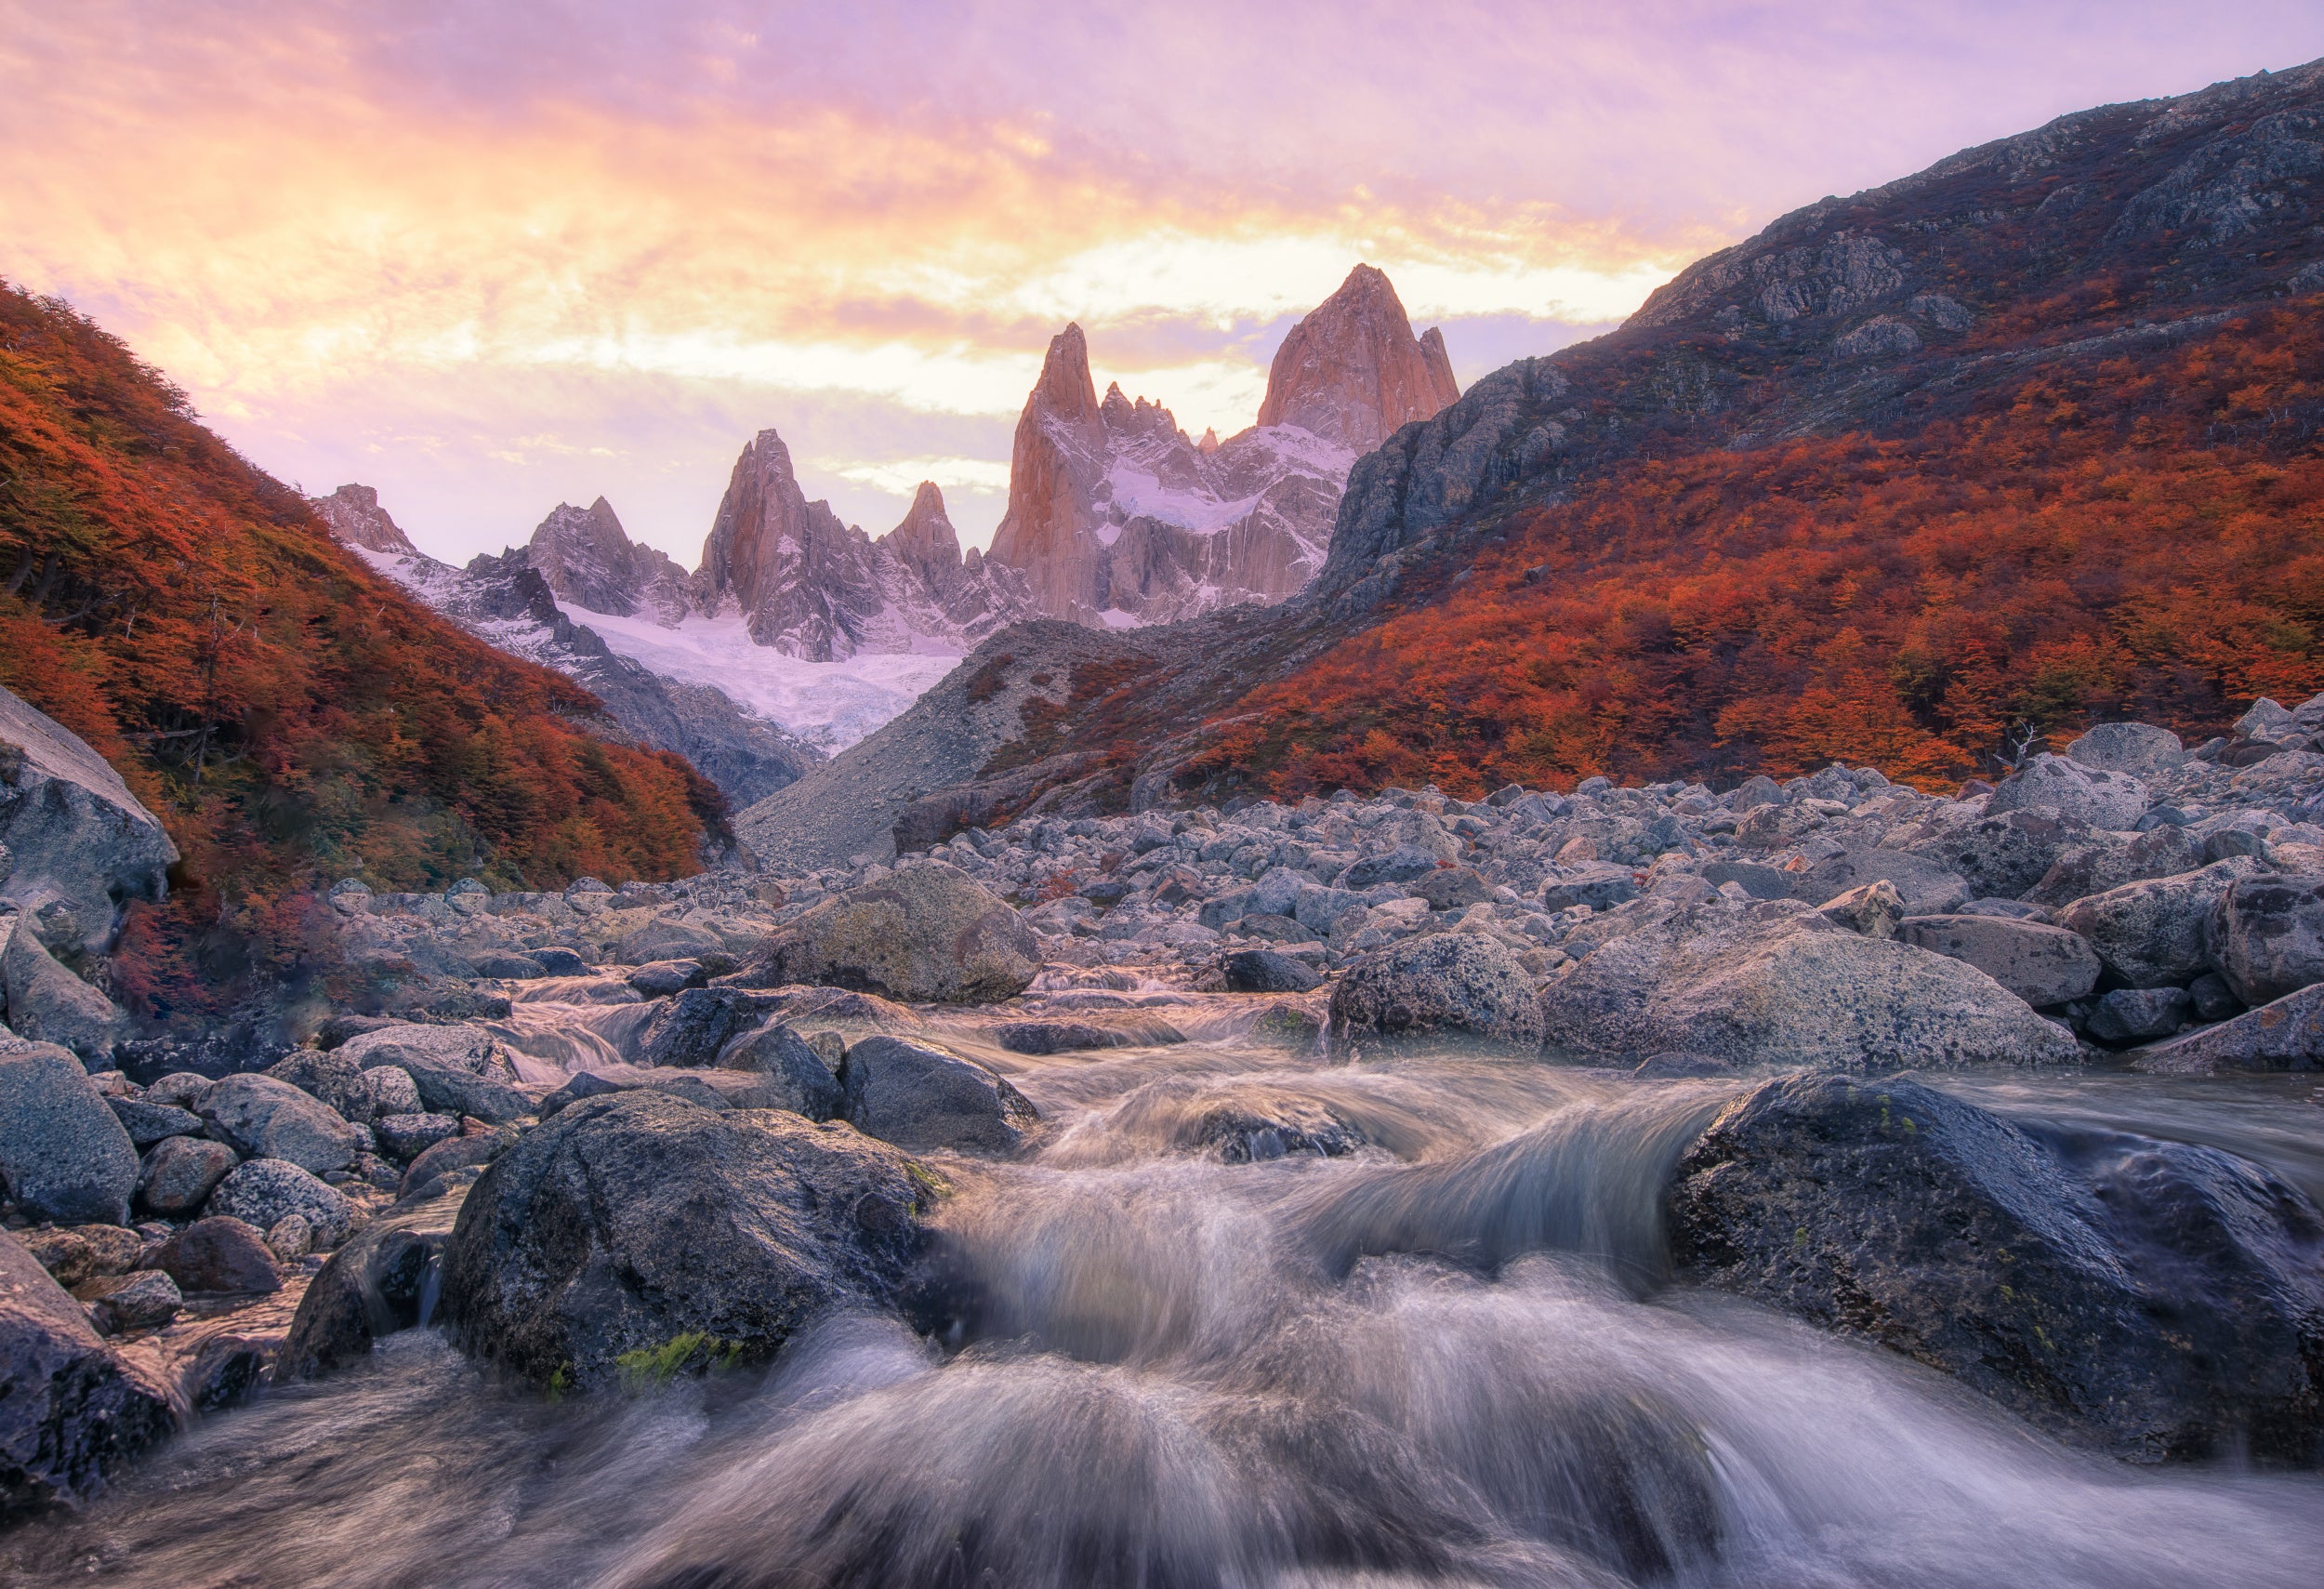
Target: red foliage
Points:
(293, 716)
(2142, 536)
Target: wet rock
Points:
(917, 1096)
(579, 1085)
(555, 959)
(455, 1153)
(2266, 936)
(259, 1117)
(457, 1069)
(1253, 1124)
(2214, 999)
(2138, 1014)
(120, 1303)
(2041, 965)
(261, 1191)
(924, 933)
(1675, 1067)
(509, 967)
(374, 1285)
(343, 1029)
(405, 1137)
(63, 1155)
(1073, 1036)
(219, 1254)
(47, 1003)
(2157, 933)
(1776, 983)
(666, 940)
(70, 1412)
(178, 1174)
(635, 1234)
(659, 979)
(2141, 750)
(807, 1078)
(1461, 987)
(1263, 971)
(2286, 1035)
(1872, 910)
(2081, 793)
(149, 1123)
(2154, 1298)
(694, 1027)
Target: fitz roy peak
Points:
(1115, 518)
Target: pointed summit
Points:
(356, 518)
(1352, 371)
(1066, 391)
(925, 539)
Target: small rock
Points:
(1461, 986)
(178, 1174)
(219, 1254)
(509, 967)
(2287, 1035)
(2215, 1001)
(407, 1136)
(1872, 910)
(1074, 1037)
(142, 1301)
(2086, 794)
(1406, 862)
(1263, 971)
(2141, 750)
(557, 960)
(64, 1154)
(260, 1117)
(455, 1153)
(2043, 965)
(261, 1192)
(290, 1237)
(148, 1123)
(924, 933)
(2138, 1014)
(1450, 888)
(2266, 935)
(659, 979)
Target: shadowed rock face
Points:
(2158, 1300)
(588, 560)
(629, 1222)
(355, 517)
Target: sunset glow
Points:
(487, 257)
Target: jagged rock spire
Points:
(1352, 371)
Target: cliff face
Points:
(1352, 372)
(1116, 517)
(587, 560)
(357, 520)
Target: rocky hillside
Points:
(582, 557)
(289, 714)
(2024, 440)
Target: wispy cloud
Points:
(490, 255)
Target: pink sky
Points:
(490, 256)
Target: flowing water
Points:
(1451, 1357)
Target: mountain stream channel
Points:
(1454, 1356)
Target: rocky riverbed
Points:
(1825, 1182)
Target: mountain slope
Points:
(511, 602)
(2030, 437)
(292, 716)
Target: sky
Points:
(488, 256)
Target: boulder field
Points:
(782, 1076)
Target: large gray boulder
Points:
(636, 1235)
(1927, 887)
(1775, 982)
(2001, 854)
(261, 1192)
(70, 1411)
(2087, 794)
(2286, 1035)
(64, 1154)
(786, 1063)
(2138, 748)
(457, 1069)
(925, 934)
(2154, 1298)
(260, 1117)
(1450, 987)
(2109, 860)
(2041, 965)
(47, 1003)
(80, 841)
(2157, 933)
(918, 1096)
(695, 1026)
(2267, 936)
